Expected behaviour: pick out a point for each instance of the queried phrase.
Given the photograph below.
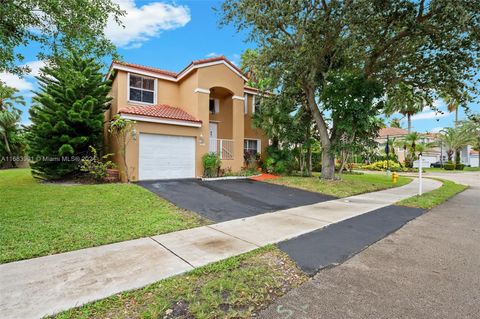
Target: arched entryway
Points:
(221, 123)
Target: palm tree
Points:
(405, 100)
(9, 97)
(455, 139)
(395, 122)
(8, 129)
(425, 147)
(453, 102)
(410, 142)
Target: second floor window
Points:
(214, 106)
(142, 89)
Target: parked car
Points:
(436, 164)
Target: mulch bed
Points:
(264, 176)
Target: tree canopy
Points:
(68, 116)
(432, 46)
(57, 25)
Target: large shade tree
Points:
(429, 45)
(56, 26)
(403, 98)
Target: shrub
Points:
(278, 161)
(252, 159)
(316, 161)
(96, 167)
(459, 167)
(382, 165)
(449, 166)
(211, 165)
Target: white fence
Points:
(222, 147)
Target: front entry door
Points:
(213, 128)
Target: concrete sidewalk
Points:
(46, 285)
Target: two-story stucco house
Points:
(179, 117)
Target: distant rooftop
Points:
(392, 131)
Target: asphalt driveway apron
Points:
(226, 200)
(338, 242)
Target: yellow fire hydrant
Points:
(394, 177)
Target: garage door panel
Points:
(166, 157)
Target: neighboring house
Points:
(468, 156)
(398, 134)
(393, 133)
(179, 117)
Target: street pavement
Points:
(430, 268)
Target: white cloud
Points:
(25, 83)
(211, 55)
(145, 22)
(429, 115)
(235, 58)
(15, 81)
(35, 67)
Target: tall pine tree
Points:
(67, 116)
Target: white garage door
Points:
(166, 156)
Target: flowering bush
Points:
(382, 165)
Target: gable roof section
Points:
(172, 76)
(144, 68)
(212, 61)
(162, 111)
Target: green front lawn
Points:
(441, 170)
(349, 184)
(435, 197)
(40, 219)
(472, 169)
(237, 287)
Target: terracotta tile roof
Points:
(213, 59)
(174, 74)
(392, 131)
(161, 111)
(147, 68)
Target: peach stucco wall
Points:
(232, 122)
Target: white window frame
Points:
(154, 89)
(216, 103)
(259, 144)
(245, 103)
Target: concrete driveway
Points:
(226, 200)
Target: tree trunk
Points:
(456, 117)
(328, 165)
(449, 155)
(309, 158)
(328, 159)
(301, 159)
(409, 120)
(7, 145)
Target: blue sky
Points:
(169, 35)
